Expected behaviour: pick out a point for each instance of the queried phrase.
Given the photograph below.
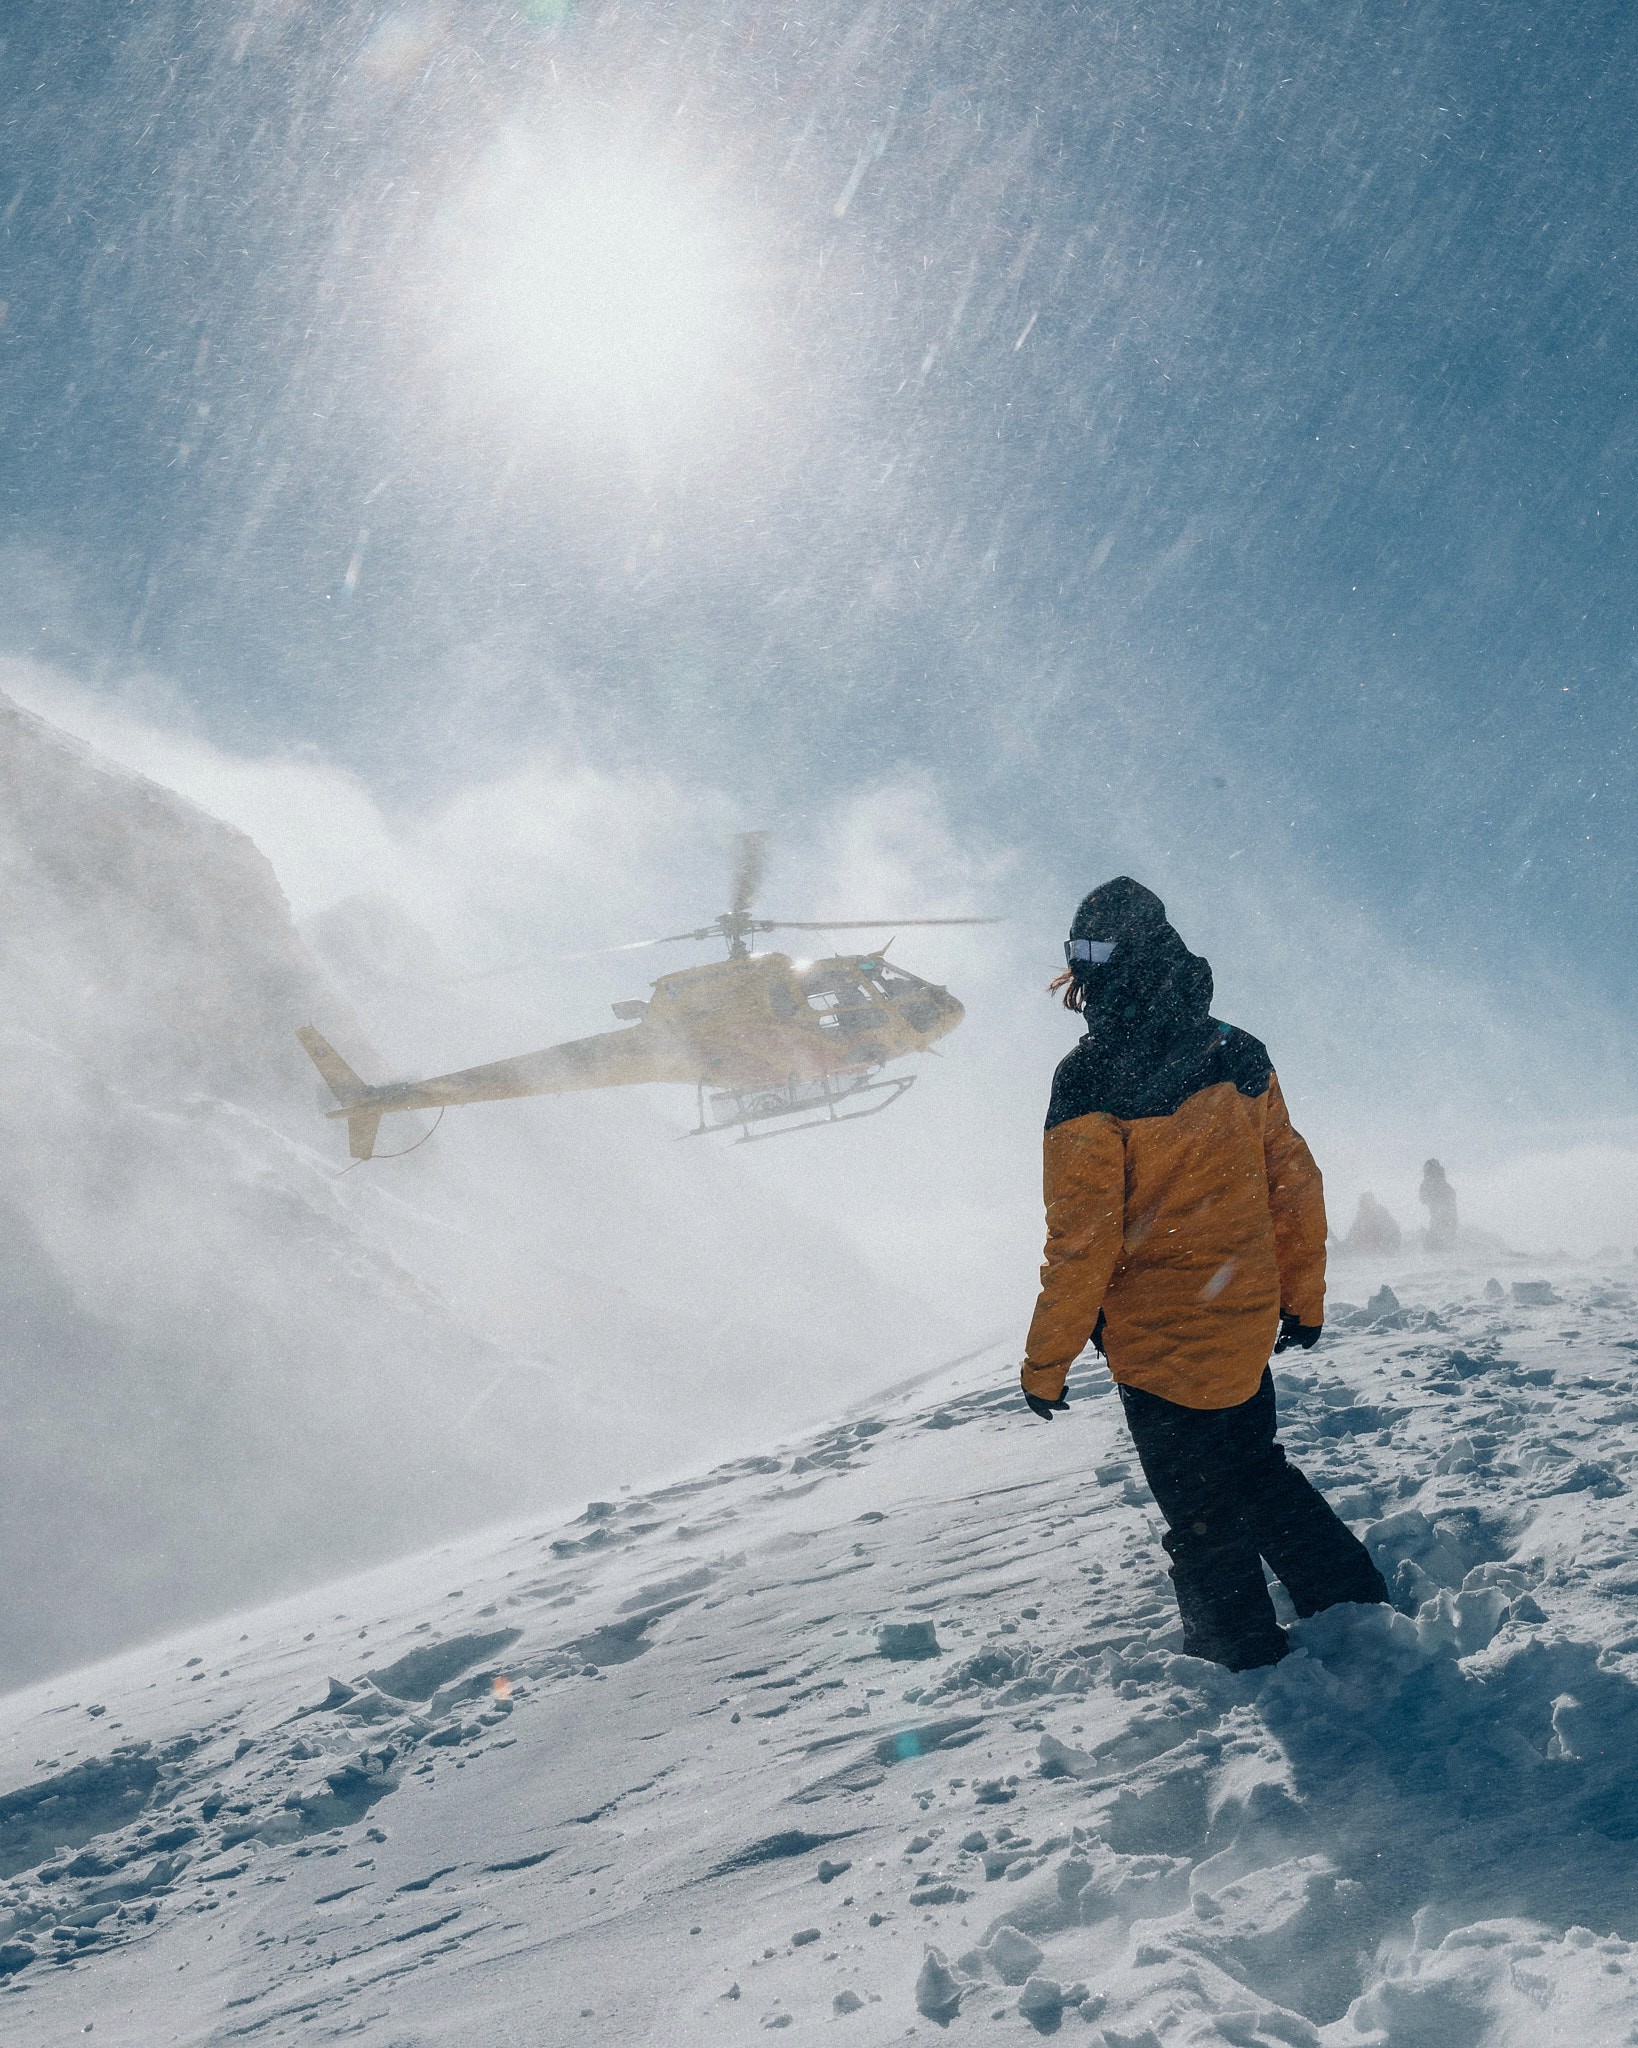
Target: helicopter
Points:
(762, 1038)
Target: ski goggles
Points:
(1088, 952)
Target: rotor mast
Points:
(737, 925)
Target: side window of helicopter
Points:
(783, 1000)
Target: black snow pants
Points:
(1230, 1499)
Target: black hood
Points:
(1150, 1003)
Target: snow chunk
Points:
(422, 1672)
(938, 1993)
(1012, 1955)
(902, 1640)
(1042, 1998)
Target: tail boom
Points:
(613, 1059)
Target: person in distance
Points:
(1186, 1238)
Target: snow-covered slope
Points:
(649, 1777)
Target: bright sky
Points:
(1202, 440)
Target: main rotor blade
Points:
(750, 858)
(597, 953)
(862, 924)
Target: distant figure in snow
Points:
(1439, 1200)
(1373, 1229)
(1186, 1239)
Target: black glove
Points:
(1098, 1329)
(1293, 1330)
(1045, 1409)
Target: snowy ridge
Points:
(649, 1777)
(218, 1379)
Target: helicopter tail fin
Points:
(345, 1085)
(348, 1089)
(361, 1130)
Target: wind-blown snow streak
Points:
(649, 1777)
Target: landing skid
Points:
(733, 1108)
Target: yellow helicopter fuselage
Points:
(746, 1025)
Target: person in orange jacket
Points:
(1186, 1238)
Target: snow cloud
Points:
(1389, 1057)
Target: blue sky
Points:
(1120, 416)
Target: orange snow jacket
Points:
(1192, 1228)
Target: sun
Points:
(578, 286)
